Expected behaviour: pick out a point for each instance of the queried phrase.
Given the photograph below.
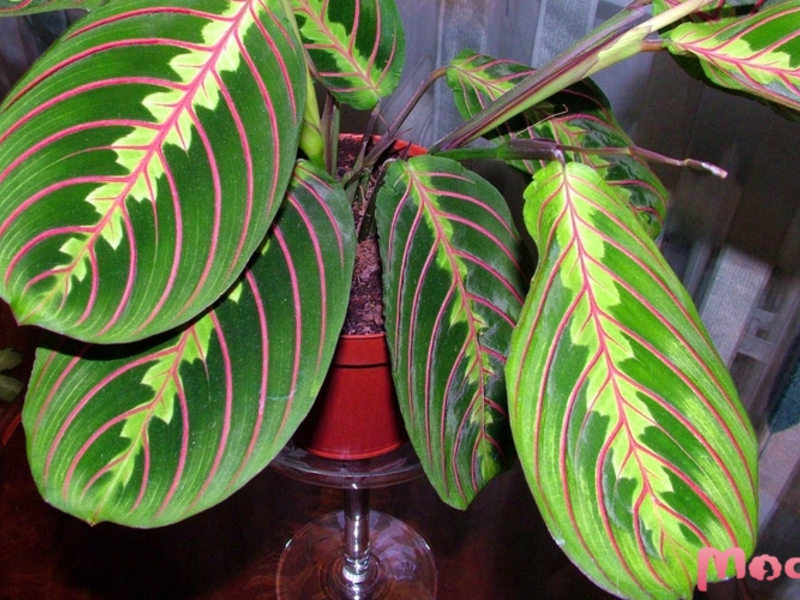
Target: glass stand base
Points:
(401, 565)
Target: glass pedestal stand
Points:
(355, 553)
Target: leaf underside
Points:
(579, 116)
(452, 292)
(149, 433)
(142, 160)
(627, 423)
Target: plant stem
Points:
(697, 165)
(650, 156)
(536, 149)
(544, 149)
(330, 133)
(390, 136)
(652, 46)
(368, 222)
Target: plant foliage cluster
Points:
(170, 210)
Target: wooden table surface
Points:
(497, 549)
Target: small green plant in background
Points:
(10, 387)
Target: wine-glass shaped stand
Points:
(355, 553)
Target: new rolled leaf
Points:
(142, 160)
(147, 434)
(627, 424)
(357, 47)
(452, 293)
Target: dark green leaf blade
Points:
(142, 160)
(149, 433)
(756, 54)
(452, 292)
(627, 424)
(357, 47)
(579, 116)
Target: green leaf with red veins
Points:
(146, 434)
(28, 7)
(756, 54)
(452, 293)
(628, 426)
(357, 47)
(142, 160)
(718, 10)
(579, 116)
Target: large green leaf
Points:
(149, 433)
(453, 291)
(27, 7)
(141, 163)
(357, 47)
(627, 423)
(756, 54)
(579, 116)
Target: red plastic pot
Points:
(356, 415)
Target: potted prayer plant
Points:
(170, 210)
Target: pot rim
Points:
(361, 350)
